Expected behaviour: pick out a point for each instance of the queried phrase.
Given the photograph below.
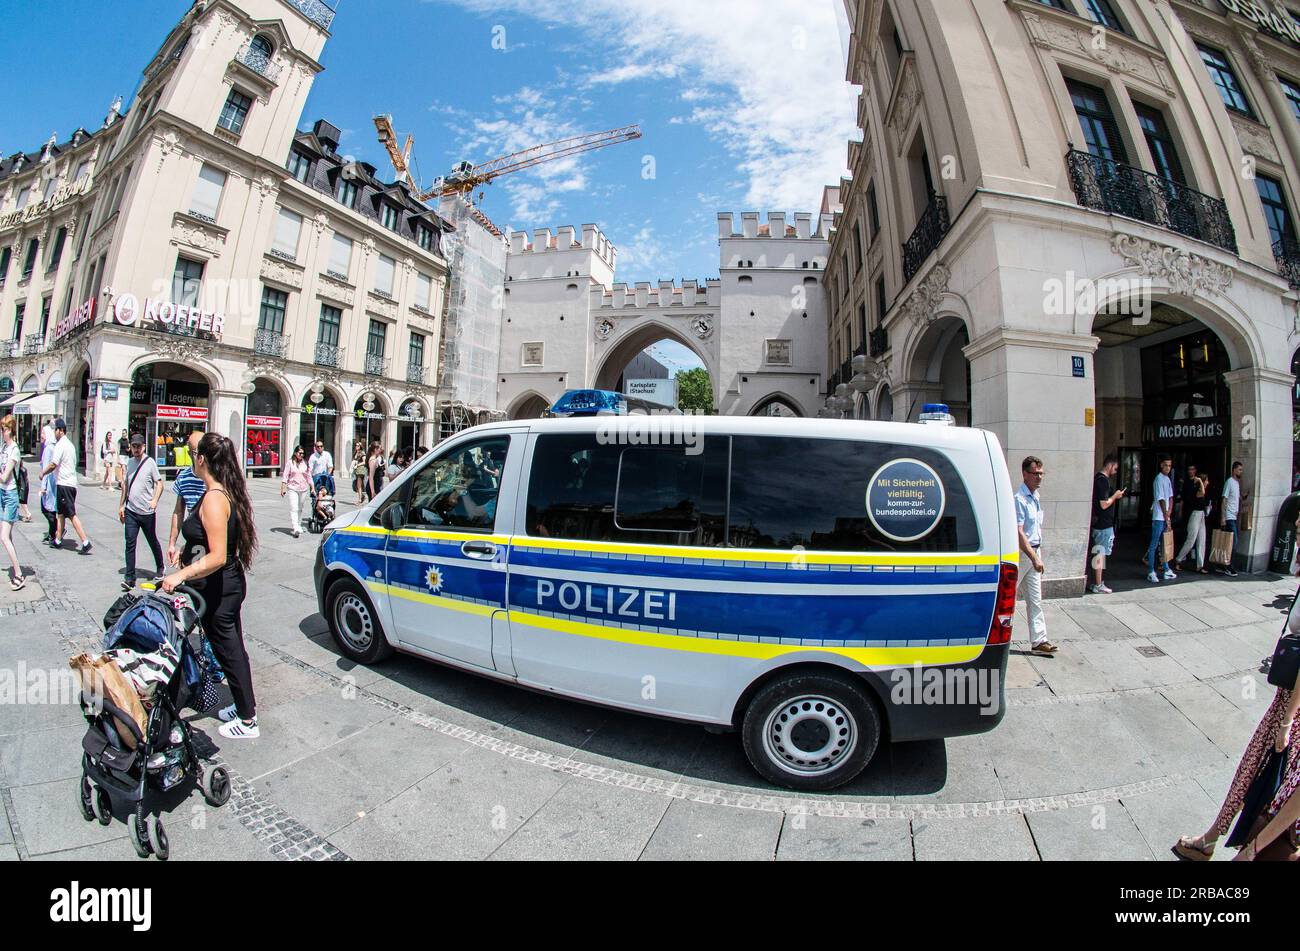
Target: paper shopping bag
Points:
(1167, 545)
(1221, 548)
(101, 679)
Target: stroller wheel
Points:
(102, 806)
(157, 837)
(140, 836)
(86, 798)
(216, 785)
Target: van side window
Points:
(812, 493)
(459, 490)
(585, 491)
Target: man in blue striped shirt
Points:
(189, 489)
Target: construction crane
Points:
(465, 176)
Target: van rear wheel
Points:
(811, 731)
(354, 622)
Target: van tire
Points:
(354, 623)
(824, 711)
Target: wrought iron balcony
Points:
(925, 238)
(33, 344)
(1118, 189)
(268, 343)
(1287, 254)
(879, 342)
(328, 355)
(315, 10)
(11, 348)
(417, 373)
(258, 62)
(376, 365)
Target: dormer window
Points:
(299, 166)
(346, 193)
(425, 237)
(261, 46)
(388, 216)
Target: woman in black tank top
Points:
(219, 542)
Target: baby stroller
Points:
(164, 628)
(322, 512)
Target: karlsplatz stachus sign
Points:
(41, 208)
(1265, 19)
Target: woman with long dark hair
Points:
(220, 542)
(375, 468)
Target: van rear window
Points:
(813, 494)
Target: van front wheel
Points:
(354, 623)
(811, 731)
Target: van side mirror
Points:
(394, 517)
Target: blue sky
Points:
(742, 103)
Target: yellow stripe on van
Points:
(432, 535)
(868, 656)
(451, 604)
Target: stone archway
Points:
(936, 369)
(776, 404)
(634, 340)
(530, 405)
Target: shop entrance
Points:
(1160, 391)
(168, 402)
(410, 423)
(263, 429)
(320, 422)
(369, 425)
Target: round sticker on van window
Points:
(905, 500)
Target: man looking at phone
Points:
(1104, 498)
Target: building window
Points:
(425, 236)
(423, 291)
(385, 268)
(340, 256)
(23, 195)
(274, 305)
(873, 211)
(49, 189)
(533, 354)
(45, 315)
(1059, 4)
(235, 112)
(6, 257)
(346, 193)
(331, 319)
(1276, 210)
(288, 228)
(187, 280)
(415, 353)
(857, 245)
(29, 262)
(1160, 143)
(1100, 11)
(388, 216)
(82, 171)
(377, 339)
(299, 166)
(56, 255)
(20, 314)
(1100, 131)
(1225, 79)
(882, 302)
(1292, 94)
(262, 46)
(207, 193)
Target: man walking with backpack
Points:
(138, 509)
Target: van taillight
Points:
(1005, 609)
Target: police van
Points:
(819, 586)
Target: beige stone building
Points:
(1073, 222)
(201, 261)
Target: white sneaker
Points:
(239, 730)
(1170, 576)
(1100, 589)
(1151, 576)
(226, 714)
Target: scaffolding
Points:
(471, 326)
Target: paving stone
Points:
(1226, 725)
(1172, 614)
(1183, 809)
(692, 831)
(1209, 615)
(1229, 607)
(1120, 664)
(824, 838)
(1173, 742)
(41, 756)
(1098, 622)
(1088, 833)
(587, 821)
(983, 839)
(1137, 618)
(50, 821)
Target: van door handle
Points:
(483, 551)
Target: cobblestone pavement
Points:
(1110, 749)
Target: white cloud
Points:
(764, 78)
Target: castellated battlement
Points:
(564, 239)
(664, 294)
(802, 226)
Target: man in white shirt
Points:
(63, 463)
(1231, 508)
(321, 469)
(1162, 492)
(1029, 528)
